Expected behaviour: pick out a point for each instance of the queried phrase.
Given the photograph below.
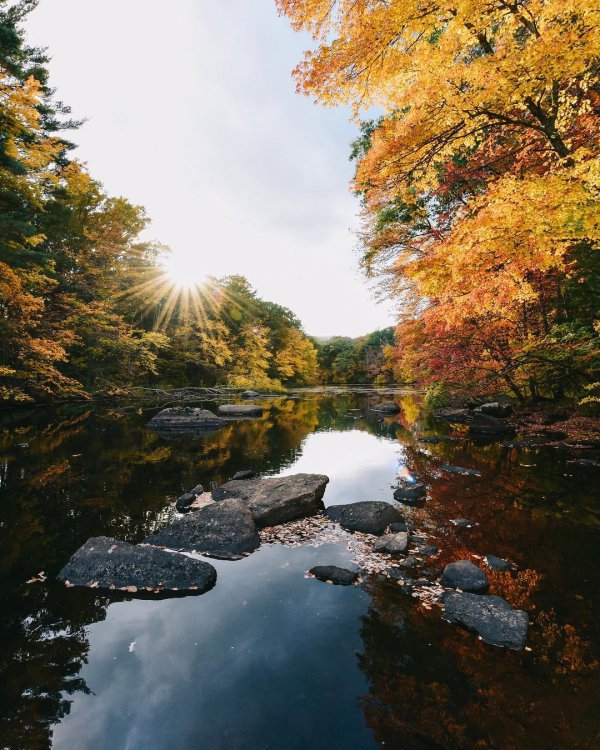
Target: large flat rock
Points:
(106, 563)
(186, 418)
(370, 517)
(240, 410)
(224, 530)
(276, 500)
(491, 617)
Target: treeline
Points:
(479, 183)
(85, 305)
(367, 359)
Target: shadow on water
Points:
(269, 658)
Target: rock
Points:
(394, 544)
(554, 416)
(491, 617)
(495, 409)
(460, 470)
(370, 517)
(497, 563)
(105, 563)
(250, 394)
(410, 492)
(217, 492)
(247, 474)
(275, 500)
(460, 416)
(408, 562)
(185, 418)
(401, 526)
(484, 424)
(429, 550)
(240, 410)
(462, 522)
(338, 576)
(434, 439)
(387, 407)
(224, 530)
(183, 503)
(465, 576)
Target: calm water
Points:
(268, 658)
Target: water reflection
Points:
(265, 655)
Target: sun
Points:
(182, 271)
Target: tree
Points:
(479, 182)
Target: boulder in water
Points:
(465, 576)
(333, 574)
(491, 617)
(370, 517)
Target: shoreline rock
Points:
(465, 576)
(185, 418)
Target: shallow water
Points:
(269, 658)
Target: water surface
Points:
(269, 658)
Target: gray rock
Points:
(460, 470)
(338, 576)
(394, 544)
(465, 576)
(106, 563)
(401, 526)
(224, 530)
(185, 418)
(275, 500)
(484, 424)
(491, 617)
(497, 563)
(183, 503)
(246, 474)
(462, 522)
(428, 550)
(370, 517)
(250, 394)
(410, 492)
(387, 407)
(240, 410)
(495, 409)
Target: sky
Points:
(191, 111)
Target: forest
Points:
(478, 185)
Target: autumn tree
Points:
(479, 182)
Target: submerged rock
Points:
(465, 576)
(370, 517)
(491, 617)
(410, 492)
(275, 500)
(186, 418)
(387, 407)
(497, 563)
(240, 410)
(105, 563)
(225, 530)
(460, 470)
(394, 544)
(337, 576)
